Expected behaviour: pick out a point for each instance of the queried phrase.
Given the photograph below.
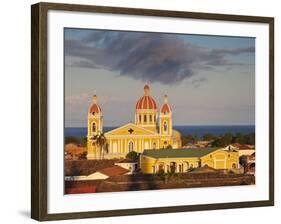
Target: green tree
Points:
(250, 139)
(208, 137)
(84, 141)
(245, 139)
(189, 139)
(100, 141)
(243, 160)
(132, 156)
(239, 138)
(169, 147)
(72, 139)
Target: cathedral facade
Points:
(152, 129)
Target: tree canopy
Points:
(221, 140)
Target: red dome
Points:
(146, 102)
(165, 108)
(95, 109)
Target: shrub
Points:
(133, 156)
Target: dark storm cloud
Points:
(149, 57)
(196, 82)
(234, 51)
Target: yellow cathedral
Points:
(152, 129)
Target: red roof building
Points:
(113, 171)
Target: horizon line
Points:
(175, 125)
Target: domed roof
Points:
(146, 101)
(95, 108)
(165, 107)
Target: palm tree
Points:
(100, 141)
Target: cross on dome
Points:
(146, 89)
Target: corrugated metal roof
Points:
(179, 153)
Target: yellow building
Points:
(152, 129)
(181, 160)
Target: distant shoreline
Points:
(191, 125)
(198, 130)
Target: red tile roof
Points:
(243, 146)
(114, 171)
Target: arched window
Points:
(139, 118)
(180, 168)
(131, 146)
(186, 165)
(161, 167)
(154, 169)
(144, 118)
(94, 127)
(165, 126)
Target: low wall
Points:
(149, 182)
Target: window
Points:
(153, 169)
(154, 145)
(131, 146)
(140, 118)
(165, 126)
(186, 164)
(94, 128)
(150, 118)
(161, 167)
(144, 118)
(154, 118)
(180, 168)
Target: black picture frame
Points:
(39, 107)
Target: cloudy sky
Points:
(210, 80)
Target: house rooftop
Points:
(179, 153)
(126, 160)
(113, 171)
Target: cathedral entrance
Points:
(131, 146)
(173, 167)
(114, 147)
(146, 145)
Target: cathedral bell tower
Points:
(165, 118)
(95, 125)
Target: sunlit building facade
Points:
(152, 129)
